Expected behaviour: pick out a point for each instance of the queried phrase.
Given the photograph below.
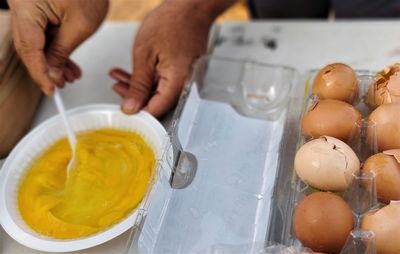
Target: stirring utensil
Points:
(70, 133)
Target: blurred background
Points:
(136, 10)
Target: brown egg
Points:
(336, 81)
(386, 167)
(322, 221)
(385, 88)
(387, 119)
(385, 223)
(326, 163)
(330, 118)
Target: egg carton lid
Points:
(226, 136)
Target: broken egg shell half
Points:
(387, 126)
(322, 221)
(386, 166)
(330, 118)
(385, 88)
(385, 223)
(326, 163)
(336, 81)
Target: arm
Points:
(169, 40)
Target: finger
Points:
(69, 76)
(57, 75)
(64, 42)
(29, 41)
(74, 68)
(120, 75)
(138, 94)
(141, 82)
(61, 85)
(122, 89)
(166, 96)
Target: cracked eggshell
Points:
(385, 223)
(387, 120)
(336, 81)
(386, 166)
(326, 163)
(385, 87)
(322, 221)
(330, 118)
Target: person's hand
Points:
(168, 41)
(45, 33)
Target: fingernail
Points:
(55, 75)
(130, 106)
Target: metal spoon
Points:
(70, 133)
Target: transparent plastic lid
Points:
(226, 138)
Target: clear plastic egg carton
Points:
(289, 189)
(364, 79)
(226, 135)
(232, 187)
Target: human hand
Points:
(168, 41)
(46, 32)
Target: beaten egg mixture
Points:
(111, 173)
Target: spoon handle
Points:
(61, 111)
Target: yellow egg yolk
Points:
(110, 176)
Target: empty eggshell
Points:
(386, 166)
(326, 163)
(336, 81)
(330, 118)
(385, 223)
(385, 88)
(322, 221)
(387, 120)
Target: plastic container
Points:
(233, 187)
(288, 197)
(82, 118)
(226, 135)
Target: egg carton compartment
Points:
(362, 139)
(225, 137)
(290, 190)
(364, 80)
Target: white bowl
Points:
(82, 118)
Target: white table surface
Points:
(303, 45)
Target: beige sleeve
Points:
(19, 96)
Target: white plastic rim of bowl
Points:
(81, 118)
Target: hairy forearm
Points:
(211, 8)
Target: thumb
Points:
(138, 93)
(140, 84)
(29, 41)
(135, 93)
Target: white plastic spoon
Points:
(70, 133)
